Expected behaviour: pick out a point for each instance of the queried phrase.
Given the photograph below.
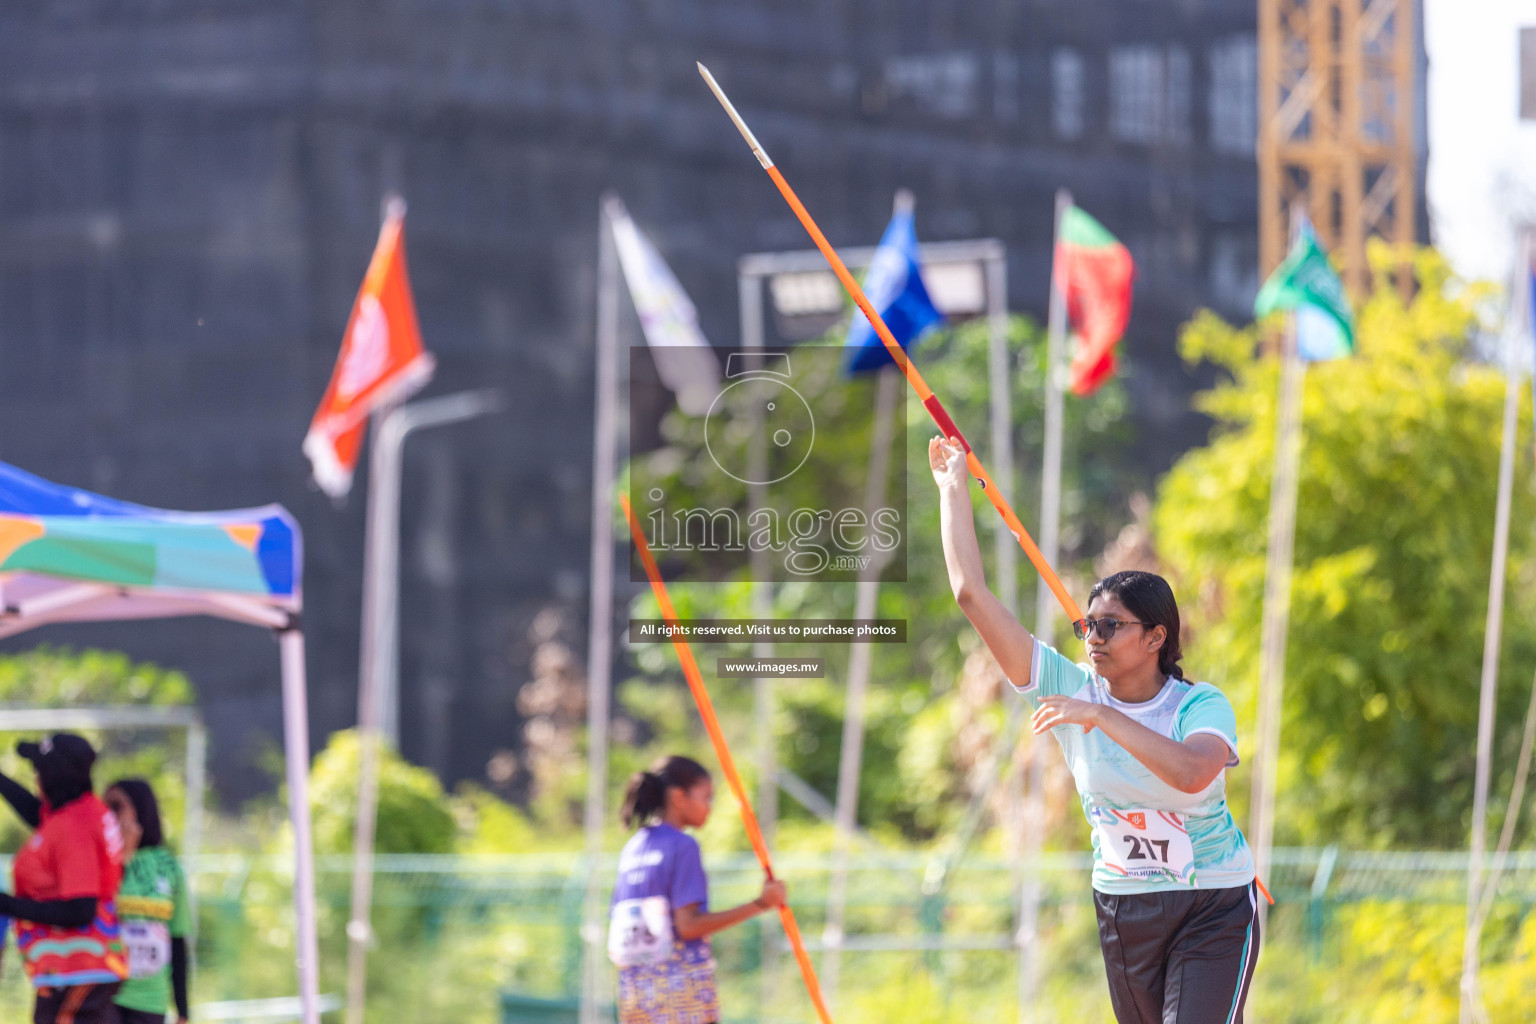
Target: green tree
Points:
(58, 677)
(414, 815)
(1393, 538)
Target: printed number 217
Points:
(1143, 849)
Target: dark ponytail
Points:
(646, 795)
(1148, 596)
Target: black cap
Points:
(63, 750)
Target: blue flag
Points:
(894, 285)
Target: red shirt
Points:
(76, 852)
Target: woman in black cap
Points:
(66, 880)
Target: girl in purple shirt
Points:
(660, 921)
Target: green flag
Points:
(1306, 283)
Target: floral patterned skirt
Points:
(680, 990)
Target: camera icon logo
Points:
(759, 400)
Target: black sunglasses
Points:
(1104, 627)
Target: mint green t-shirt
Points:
(152, 909)
(1147, 836)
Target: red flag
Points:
(1095, 274)
(381, 360)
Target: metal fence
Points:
(484, 938)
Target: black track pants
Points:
(76, 1004)
(127, 1016)
(1179, 957)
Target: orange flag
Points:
(381, 361)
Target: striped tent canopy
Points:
(67, 555)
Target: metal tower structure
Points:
(1337, 102)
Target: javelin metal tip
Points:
(730, 108)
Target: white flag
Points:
(684, 360)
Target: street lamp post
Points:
(378, 689)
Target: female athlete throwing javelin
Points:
(1173, 878)
(660, 921)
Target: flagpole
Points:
(750, 298)
(600, 615)
(1050, 463)
(369, 724)
(850, 761)
(378, 712)
(1490, 882)
(851, 755)
(1471, 997)
(1000, 396)
(1277, 596)
(1493, 626)
(1005, 549)
(370, 697)
(1045, 619)
(1050, 468)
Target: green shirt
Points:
(152, 909)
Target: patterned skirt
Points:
(680, 990)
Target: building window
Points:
(1067, 93)
(1176, 97)
(1149, 91)
(1136, 104)
(1234, 97)
(1234, 271)
(946, 84)
(1005, 86)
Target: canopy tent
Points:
(68, 555)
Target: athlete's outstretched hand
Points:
(947, 460)
(1055, 710)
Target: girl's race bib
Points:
(149, 947)
(1145, 844)
(640, 931)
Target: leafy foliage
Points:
(1393, 535)
(413, 811)
(57, 677)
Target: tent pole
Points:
(296, 750)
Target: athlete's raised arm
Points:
(1010, 643)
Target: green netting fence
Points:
(1355, 936)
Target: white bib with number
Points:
(149, 947)
(1145, 844)
(640, 932)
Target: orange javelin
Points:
(924, 393)
(723, 752)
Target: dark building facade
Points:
(189, 193)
